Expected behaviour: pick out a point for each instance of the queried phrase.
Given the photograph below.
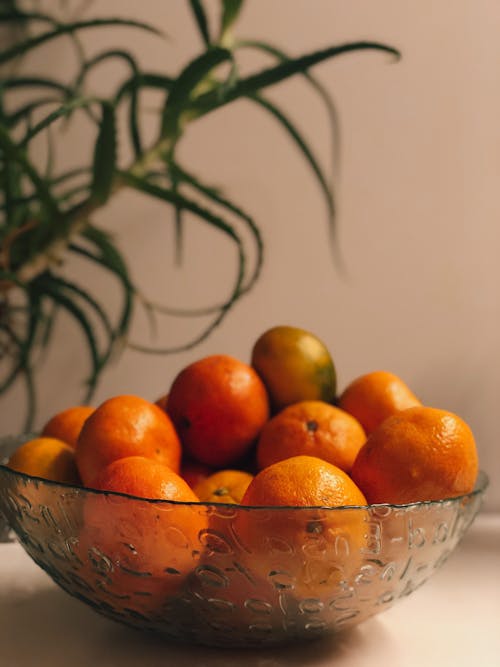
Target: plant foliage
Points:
(46, 216)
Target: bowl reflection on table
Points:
(228, 575)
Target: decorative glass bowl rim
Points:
(482, 483)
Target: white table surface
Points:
(452, 621)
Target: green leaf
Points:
(19, 155)
(314, 83)
(110, 258)
(179, 230)
(31, 407)
(68, 195)
(230, 12)
(201, 20)
(61, 112)
(13, 201)
(104, 155)
(15, 16)
(26, 110)
(183, 87)
(47, 324)
(167, 195)
(306, 151)
(214, 195)
(49, 166)
(69, 28)
(144, 80)
(125, 56)
(24, 345)
(177, 199)
(34, 82)
(273, 75)
(64, 285)
(70, 174)
(68, 304)
(21, 367)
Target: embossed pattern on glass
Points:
(228, 575)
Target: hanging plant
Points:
(46, 216)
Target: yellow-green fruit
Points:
(295, 366)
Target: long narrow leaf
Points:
(16, 368)
(306, 151)
(81, 319)
(144, 80)
(14, 16)
(70, 174)
(26, 110)
(230, 12)
(23, 344)
(215, 196)
(104, 164)
(188, 80)
(61, 112)
(128, 290)
(179, 200)
(179, 230)
(21, 368)
(201, 20)
(31, 407)
(69, 194)
(68, 28)
(47, 326)
(34, 82)
(45, 196)
(110, 258)
(126, 57)
(320, 89)
(273, 75)
(64, 285)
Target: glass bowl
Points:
(226, 575)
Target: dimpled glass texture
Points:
(225, 575)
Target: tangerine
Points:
(373, 397)
(140, 551)
(418, 454)
(224, 486)
(126, 426)
(219, 406)
(295, 365)
(312, 428)
(301, 541)
(48, 458)
(67, 424)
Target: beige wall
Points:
(419, 209)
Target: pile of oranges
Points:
(272, 432)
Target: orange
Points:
(66, 425)
(219, 406)
(295, 365)
(298, 543)
(144, 478)
(311, 428)
(418, 454)
(48, 458)
(224, 486)
(303, 481)
(375, 396)
(126, 426)
(137, 551)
